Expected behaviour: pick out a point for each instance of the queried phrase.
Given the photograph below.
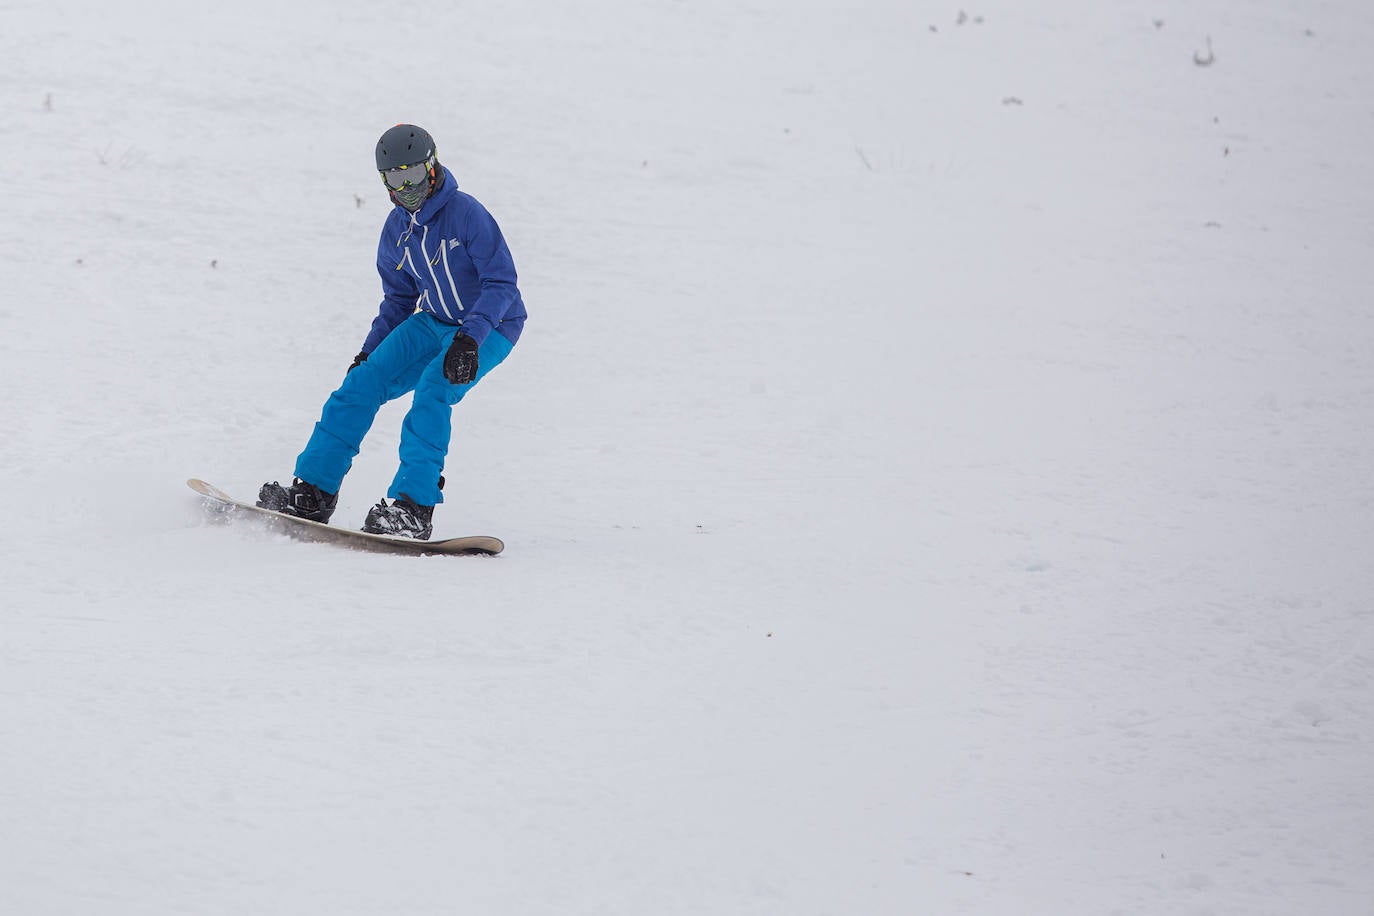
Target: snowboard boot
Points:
(301, 499)
(402, 518)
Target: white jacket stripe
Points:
(435, 278)
(453, 287)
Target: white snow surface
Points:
(936, 473)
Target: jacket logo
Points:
(454, 243)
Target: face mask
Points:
(411, 196)
(410, 184)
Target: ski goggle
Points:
(413, 174)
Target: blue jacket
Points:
(449, 259)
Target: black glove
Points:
(460, 362)
(357, 361)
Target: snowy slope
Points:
(935, 472)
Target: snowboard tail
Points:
(316, 532)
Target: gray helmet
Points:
(404, 144)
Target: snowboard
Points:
(306, 530)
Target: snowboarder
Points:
(450, 313)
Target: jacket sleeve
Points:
(399, 294)
(495, 271)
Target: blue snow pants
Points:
(410, 358)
